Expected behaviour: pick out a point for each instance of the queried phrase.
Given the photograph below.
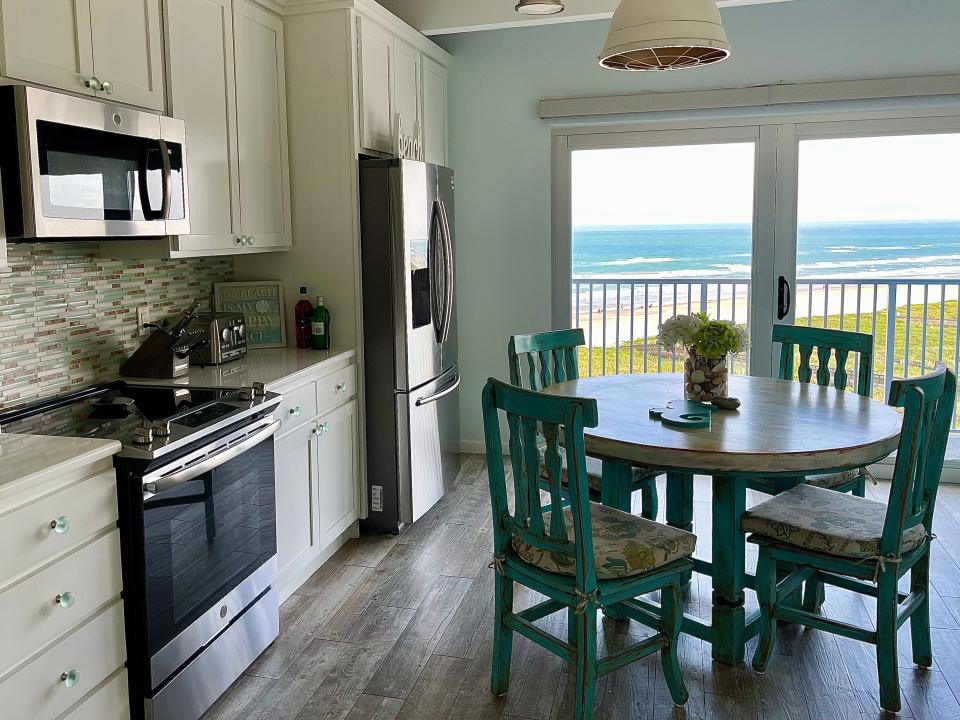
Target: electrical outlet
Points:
(143, 317)
(376, 498)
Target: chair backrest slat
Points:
(557, 418)
(551, 357)
(928, 403)
(803, 341)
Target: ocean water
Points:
(824, 250)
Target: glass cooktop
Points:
(113, 411)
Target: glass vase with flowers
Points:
(708, 343)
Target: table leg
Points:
(729, 504)
(615, 493)
(680, 504)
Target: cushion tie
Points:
(585, 600)
(497, 563)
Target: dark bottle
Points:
(302, 317)
(320, 327)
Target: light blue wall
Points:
(501, 149)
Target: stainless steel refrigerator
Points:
(410, 338)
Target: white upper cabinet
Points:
(376, 87)
(77, 45)
(406, 89)
(225, 70)
(261, 126)
(434, 112)
(400, 86)
(127, 52)
(48, 42)
(200, 57)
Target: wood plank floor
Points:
(400, 628)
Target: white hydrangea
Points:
(679, 330)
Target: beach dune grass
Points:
(938, 328)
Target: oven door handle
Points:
(155, 487)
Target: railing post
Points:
(891, 338)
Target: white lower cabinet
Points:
(294, 463)
(337, 443)
(63, 649)
(317, 462)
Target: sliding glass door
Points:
(660, 224)
(853, 224)
(874, 245)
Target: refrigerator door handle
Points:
(421, 401)
(448, 270)
(436, 255)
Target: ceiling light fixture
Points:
(539, 7)
(665, 35)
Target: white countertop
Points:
(29, 459)
(266, 366)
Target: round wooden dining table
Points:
(782, 431)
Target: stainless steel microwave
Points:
(79, 168)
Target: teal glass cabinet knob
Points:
(61, 525)
(70, 678)
(66, 599)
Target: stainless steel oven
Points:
(76, 167)
(202, 537)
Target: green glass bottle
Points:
(320, 327)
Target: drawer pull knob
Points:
(70, 678)
(342, 387)
(61, 525)
(295, 411)
(322, 428)
(66, 599)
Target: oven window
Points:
(204, 537)
(96, 175)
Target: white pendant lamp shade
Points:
(665, 35)
(539, 7)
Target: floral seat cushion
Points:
(623, 545)
(832, 480)
(825, 521)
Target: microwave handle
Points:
(167, 179)
(152, 488)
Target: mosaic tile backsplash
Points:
(68, 317)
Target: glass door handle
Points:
(784, 298)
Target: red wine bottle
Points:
(302, 316)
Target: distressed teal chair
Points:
(582, 555)
(861, 545)
(551, 357)
(804, 341)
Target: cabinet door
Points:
(127, 51)
(337, 449)
(407, 89)
(261, 126)
(434, 112)
(294, 464)
(376, 86)
(201, 86)
(48, 42)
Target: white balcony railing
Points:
(620, 318)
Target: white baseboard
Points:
(473, 447)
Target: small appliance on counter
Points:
(225, 335)
(166, 353)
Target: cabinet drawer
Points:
(110, 702)
(299, 406)
(94, 652)
(78, 512)
(336, 388)
(30, 609)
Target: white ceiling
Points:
(438, 17)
